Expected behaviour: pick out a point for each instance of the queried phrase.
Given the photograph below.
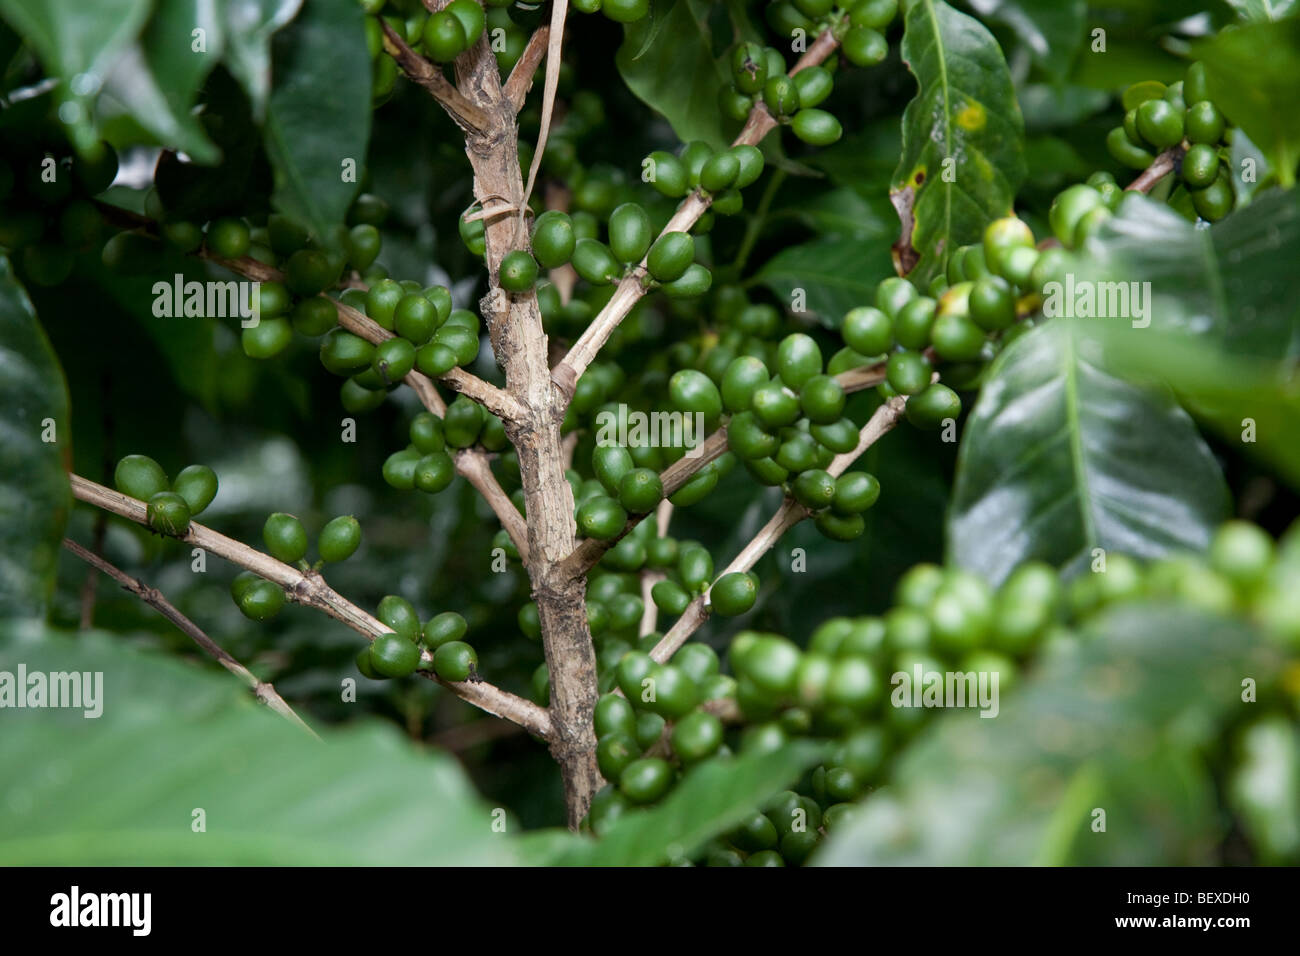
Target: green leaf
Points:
(965, 112)
(1260, 11)
(309, 136)
(123, 787)
(1250, 70)
(1117, 720)
(710, 799)
(1052, 29)
(1060, 457)
(1265, 788)
(667, 61)
(834, 275)
(34, 493)
(76, 42)
(1229, 285)
(250, 24)
(158, 79)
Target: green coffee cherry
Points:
(640, 491)
(553, 239)
(692, 391)
(814, 84)
(822, 399)
(625, 11)
(593, 261)
(344, 353)
(392, 655)
(139, 476)
(228, 238)
(671, 256)
(260, 600)
(339, 539)
(695, 281)
(393, 360)
(855, 492)
(168, 513)
(816, 127)
(1121, 146)
(471, 16)
(798, 359)
(611, 464)
(601, 518)
(1205, 124)
(749, 161)
(1196, 89)
(914, 322)
(775, 407)
(518, 271)
(1071, 206)
(864, 46)
(814, 489)
(720, 172)
(868, 330)
(749, 68)
(933, 406)
(734, 594)
(197, 484)
(455, 661)
(285, 538)
(666, 173)
(1159, 123)
(744, 375)
(696, 736)
(629, 233)
(646, 779)
(1200, 166)
(314, 316)
(1216, 200)
(415, 319)
(908, 372)
(444, 37)
(992, 303)
(267, 339)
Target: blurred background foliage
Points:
(182, 391)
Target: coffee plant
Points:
(650, 431)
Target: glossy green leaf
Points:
(710, 799)
(34, 493)
(124, 787)
(830, 276)
(1053, 30)
(76, 42)
(314, 140)
(1250, 71)
(158, 78)
(667, 60)
(963, 152)
(1225, 285)
(250, 24)
(1117, 721)
(1059, 457)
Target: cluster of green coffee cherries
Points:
(47, 212)
(1158, 117)
(426, 463)
(786, 428)
(666, 719)
(758, 73)
(171, 504)
(669, 717)
(286, 540)
(409, 646)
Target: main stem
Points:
(519, 342)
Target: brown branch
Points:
(419, 70)
(310, 590)
(589, 550)
(1160, 167)
(521, 77)
(786, 517)
(632, 288)
(262, 690)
